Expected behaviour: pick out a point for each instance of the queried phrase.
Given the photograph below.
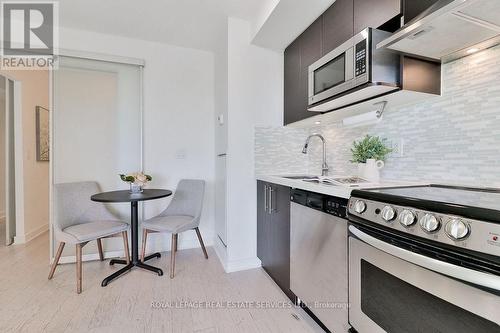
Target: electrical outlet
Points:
(398, 148)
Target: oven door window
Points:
(389, 294)
(330, 75)
(397, 306)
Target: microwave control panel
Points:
(360, 58)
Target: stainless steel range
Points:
(424, 259)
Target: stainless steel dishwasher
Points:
(318, 257)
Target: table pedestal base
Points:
(131, 265)
(134, 262)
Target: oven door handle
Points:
(461, 273)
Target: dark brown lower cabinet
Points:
(273, 233)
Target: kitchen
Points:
(421, 228)
(262, 166)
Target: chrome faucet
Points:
(324, 167)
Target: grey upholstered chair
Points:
(182, 214)
(78, 220)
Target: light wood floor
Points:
(31, 303)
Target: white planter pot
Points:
(370, 170)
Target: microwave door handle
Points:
(461, 273)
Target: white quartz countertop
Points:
(341, 191)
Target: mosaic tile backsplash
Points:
(454, 138)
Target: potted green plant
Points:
(137, 181)
(370, 154)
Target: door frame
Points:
(18, 160)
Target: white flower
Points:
(141, 178)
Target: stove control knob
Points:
(359, 206)
(457, 229)
(407, 218)
(430, 223)
(388, 213)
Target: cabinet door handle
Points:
(271, 202)
(266, 206)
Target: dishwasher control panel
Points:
(336, 206)
(325, 203)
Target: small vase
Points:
(370, 170)
(135, 188)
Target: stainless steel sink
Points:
(303, 177)
(311, 179)
(336, 181)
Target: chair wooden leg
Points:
(125, 246)
(56, 259)
(176, 241)
(144, 238)
(201, 242)
(79, 268)
(99, 247)
(172, 255)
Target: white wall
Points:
(255, 97)
(221, 121)
(181, 90)
(178, 116)
(221, 93)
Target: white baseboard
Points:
(90, 257)
(242, 264)
(22, 239)
(159, 245)
(221, 251)
(155, 243)
(234, 265)
(160, 242)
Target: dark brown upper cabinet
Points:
(305, 50)
(375, 13)
(310, 51)
(412, 8)
(337, 24)
(293, 95)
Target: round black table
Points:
(133, 198)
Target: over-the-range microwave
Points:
(355, 71)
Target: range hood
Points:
(448, 30)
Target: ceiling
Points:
(189, 23)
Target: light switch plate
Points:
(180, 154)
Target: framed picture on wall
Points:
(42, 134)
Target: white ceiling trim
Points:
(102, 57)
